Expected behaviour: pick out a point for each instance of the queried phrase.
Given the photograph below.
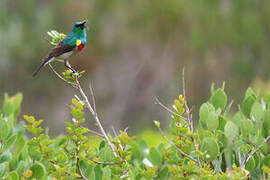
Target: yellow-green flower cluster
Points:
(179, 104)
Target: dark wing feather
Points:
(55, 52)
(60, 49)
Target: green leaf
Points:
(222, 123)
(205, 109)
(9, 142)
(257, 111)
(163, 174)
(98, 172)
(20, 145)
(212, 121)
(266, 124)
(102, 144)
(39, 171)
(210, 149)
(231, 130)
(250, 164)
(266, 160)
(238, 118)
(157, 124)
(106, 173)
(4, 129)
(34, 152)
(219, 99)
(87, 170)
(13, 175)
(250, 92)
(155, 157)
(21, 166)
(247, 105)
(247, 128)
(5, 157)
(12, 105)
(3, 169)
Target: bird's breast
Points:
(65, 55)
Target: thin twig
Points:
(189, 115)
(78, 162)
(104, 163)
(178, 149)
(94, 114)
(93, 97)
(157, 101)
(96, 133)
(89, 107)
(60, 77)
(189, 120)
(249, 154)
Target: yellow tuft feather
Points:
(78, 42)
(62, 35)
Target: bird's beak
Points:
(84, 22)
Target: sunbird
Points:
(71, 44)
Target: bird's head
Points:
(79, 26)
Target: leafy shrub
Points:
(222, 147)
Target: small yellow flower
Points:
(62, 35)
(200, 152)
(181, 98)
(177, 103)
(78, 42)
(27, 174)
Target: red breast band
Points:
(80, 47)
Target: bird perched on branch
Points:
(71, 44)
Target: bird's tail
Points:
(45, 61)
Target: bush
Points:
(222, 147)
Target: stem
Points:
(157, 101)
(96, 133)
(94, 114)
(89, 107)
(249, 154)
(189, 115)
(178, 149)
(78, 162)
(60, 77)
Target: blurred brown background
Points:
(136, 50)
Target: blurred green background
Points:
(136, 50)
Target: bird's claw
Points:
(75, 73)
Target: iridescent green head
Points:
(79, 26)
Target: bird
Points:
(74, 42)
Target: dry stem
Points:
(89, 107)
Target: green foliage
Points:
(215, 150)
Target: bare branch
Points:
(104, 163)
(250, 153)
(60, 77)
(96, 133)
(178, 149)
(89, 107)
(93, 97)
(78, 163)
(189, 115)
(94, 114)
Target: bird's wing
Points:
(60, 49)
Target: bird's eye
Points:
(80, 25)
